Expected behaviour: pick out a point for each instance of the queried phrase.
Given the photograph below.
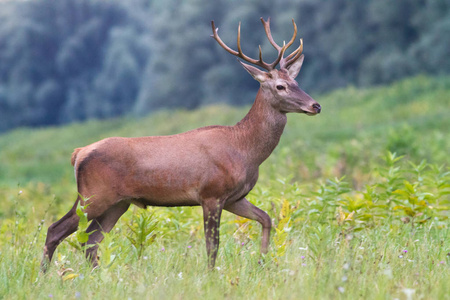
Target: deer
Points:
(214, 167)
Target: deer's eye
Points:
(280, 87)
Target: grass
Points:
(359, 198)
(383, 263)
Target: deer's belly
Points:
(144, 202)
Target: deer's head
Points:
(280, 83)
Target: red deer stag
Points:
(214, 167)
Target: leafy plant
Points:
(282, 229)
(81, 235)
(324, 202)
(109, 249)
(142, 231)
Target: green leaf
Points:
(82, 237)
(412, 200)
(409, 187)
(409, 211)
(401, 193)
(406, 209)
(75, 245)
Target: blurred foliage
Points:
(71, 60)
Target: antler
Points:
(291, 58)
(284, 62)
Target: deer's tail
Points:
(73, 160)
(74, 156)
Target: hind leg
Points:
(103, 223)
(57, 232)
(247, 210)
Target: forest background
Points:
(72, 60)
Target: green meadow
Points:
(358, 196)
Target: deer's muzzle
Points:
(317, 107)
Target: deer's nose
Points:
(317, 107)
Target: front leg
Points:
(247, 210)
(212, 210)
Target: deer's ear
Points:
(256, 73)
(294, 69)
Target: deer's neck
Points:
(259, 132)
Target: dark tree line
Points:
(68, 60)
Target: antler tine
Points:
(239, 53)
(266, 25)
(245, 57)
(215, 35)
(294, 35)
(280, 56)
(291, 58)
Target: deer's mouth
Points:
(309, 112)
(306, 112)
